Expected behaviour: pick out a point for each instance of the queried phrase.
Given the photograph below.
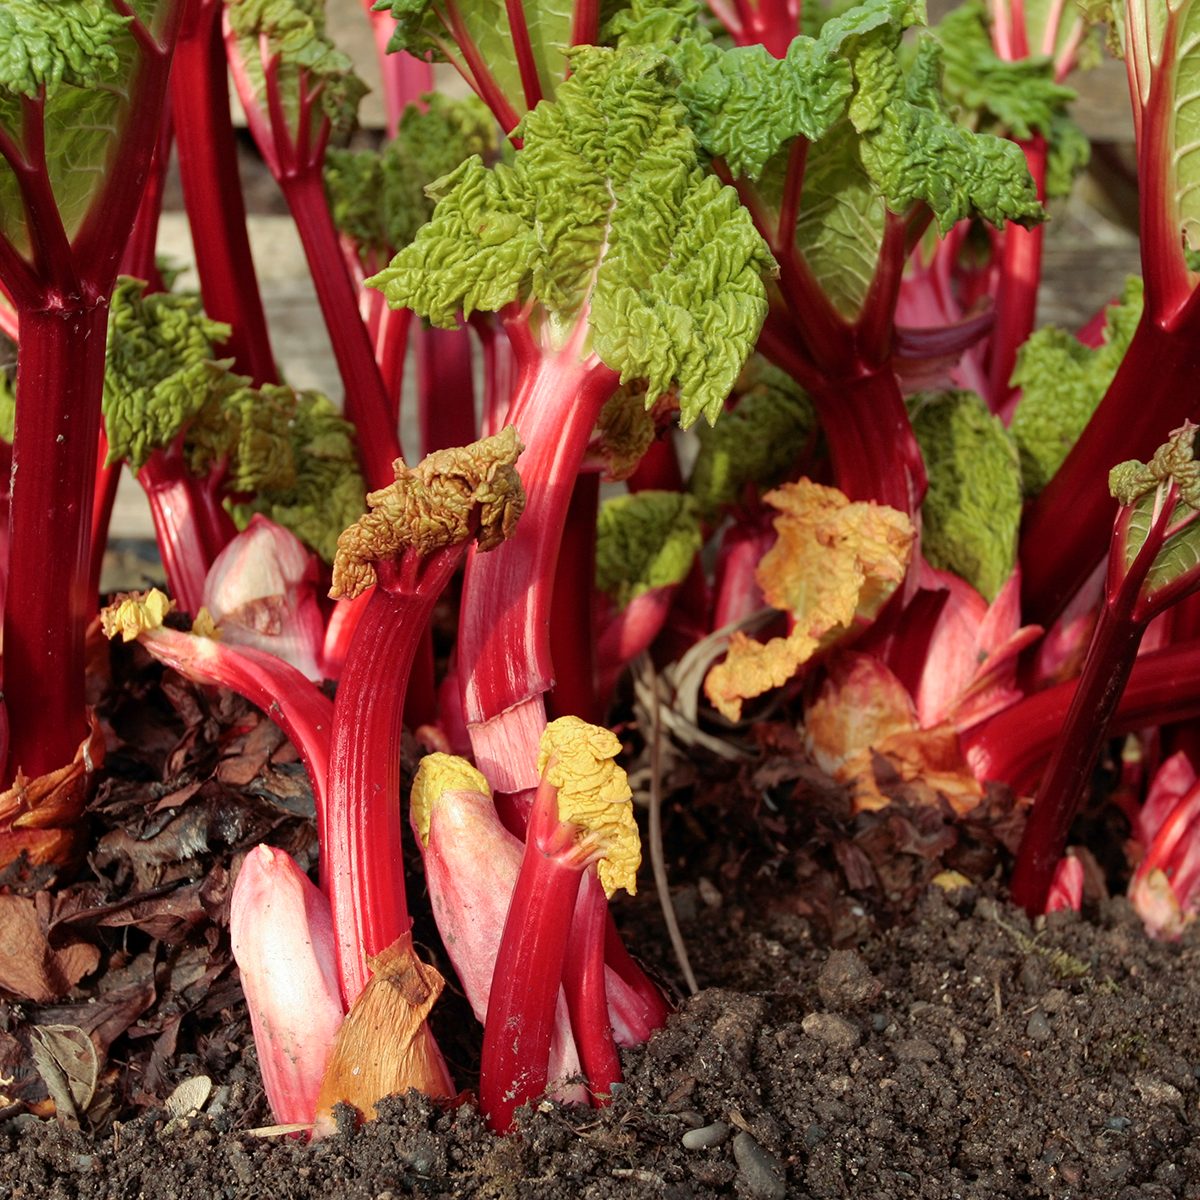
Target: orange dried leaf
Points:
(862, 711)
(834, 563)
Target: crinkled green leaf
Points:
(745, 105)
(758, 442)
(294, 30)
(1018, 97)
(378, 197)
(312, 486)
(8, 407)
(85, 56)
(972, 510)
(914, 152)
(160, 371)
(1062, 381)
(422, 29)
(650, 23)
(1145, 488)
(645, 540)
(68, 41)
(840, 224)
(606, 216)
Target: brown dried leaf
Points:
(69, 1066)
(385, 1046)
(30, 967)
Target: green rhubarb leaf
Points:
(1166, 489)
(82, 56)
(378, 197)
(972, 510)
(746, 105)
(759, 442)
(915, 153)
(1019, 98)
(605, 217)
(1015, 98)
(422, 28)
(651, 23)
(161, 370)
(308, 482)
(645, 540)
(70, 41)
(8, 406)
(1062, 381)
(292, 32)
(840, 224)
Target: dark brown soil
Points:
(960, 1056)
(859, 1032)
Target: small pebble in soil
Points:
(835, 1032)
(706, 1136)
(761, 1171)
(1037, 1027)
(846, 982)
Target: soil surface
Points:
(859, 1032)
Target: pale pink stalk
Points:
(471, 867)
(1066, 892)
(261, 592)
(1172, 781)
(282, 936)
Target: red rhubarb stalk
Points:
(409, 546)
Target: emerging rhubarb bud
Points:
(282, 937)
(1066, 892)
(261, 591)
(582, 817)
(448, 498)
(471, 867)
(1165, 888)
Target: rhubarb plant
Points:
(1152, 565)
(611, 256)
(81, 94)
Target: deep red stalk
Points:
(497, 373)
(584, 985)
(445, 388)
(104, 497)
(659, 468)
(139, 259)
(874, 329)
(391, 351)
(1164, 685)
(361, 866)
(179, 526)
(1016, 297)
(366, 402)
(60, 377)
(478, 75)
(871, 444)
(503, 642)
(572, 621)
(1063, 535)
(1065, 783)
(212, 191)
(531, 86)
(656, 1010)
(585, 23)
(529, 967)
(1124, 615)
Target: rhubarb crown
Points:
(450, 497)
(593, 793)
